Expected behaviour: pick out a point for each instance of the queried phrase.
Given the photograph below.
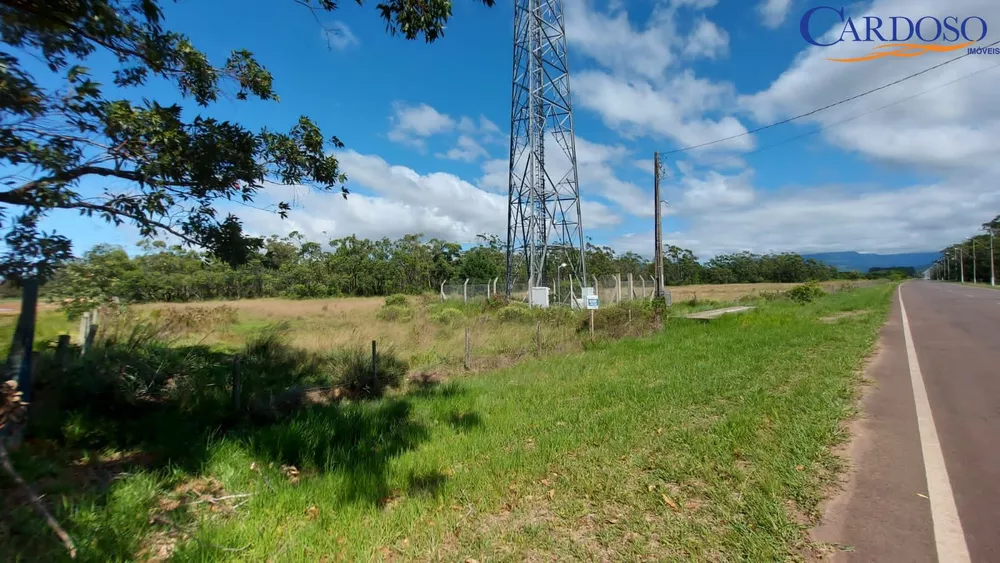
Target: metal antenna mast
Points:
(543, 216)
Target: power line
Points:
(826, 107)
(869, 112)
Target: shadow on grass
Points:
(357, 441)
(157, 408)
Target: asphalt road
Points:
(926, 456)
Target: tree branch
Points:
(37, 502)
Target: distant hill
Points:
(862, 262)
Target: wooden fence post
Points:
(84, 331)
(591, 324)
(62, 351)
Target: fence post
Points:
(591, 325)
(618, 288)
(631, 287)
(442, 290)
(84, 333)
(468, 348)
(62, 351)
(374, 363)
(538, 338)
(643, 280)
(653, 294)
(570, 292)
(19, 358)
(465, 291)
(496, 280)
(92, 329)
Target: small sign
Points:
(592, 302)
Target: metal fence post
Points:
(468, 348)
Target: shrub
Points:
(556, 315)
(805, 293)
(394, 313)
(515, 313)
(448, 317)
(195, 319)
(358, 380)
(396, 300)
(614, 320)
(495, 302)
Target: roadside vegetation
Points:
(294, 268)
(698, 441)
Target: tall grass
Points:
(706, 441)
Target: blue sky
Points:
(426, 126)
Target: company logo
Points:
(896, 36)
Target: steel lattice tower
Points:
(543, 217)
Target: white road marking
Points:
(948, 534)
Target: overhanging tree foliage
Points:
(58, 127)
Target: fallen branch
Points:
(37, 502)
(215, 500)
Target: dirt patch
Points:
(840, 488)
(843, 315)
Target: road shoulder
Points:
(880, 512)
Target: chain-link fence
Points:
(609, 289)
(618, 288)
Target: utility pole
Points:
(993, 277)
(974, 259)
(658, 256)
(961, 265)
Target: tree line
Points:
(294, 267)
(972, 259)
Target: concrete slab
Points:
(715, 313)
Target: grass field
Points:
(706, 441)
(322, 324)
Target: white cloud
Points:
(496, 175)
(946, 130)
(706, 40)
(715, 191)
(338, 36)
(466, 149)
(401, 201)
(411, 124)
(610, 38)
(677, 111)
(917, 218)
(774, 12)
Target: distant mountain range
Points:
(863, 262)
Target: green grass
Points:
(48, 326)
(708, 441)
